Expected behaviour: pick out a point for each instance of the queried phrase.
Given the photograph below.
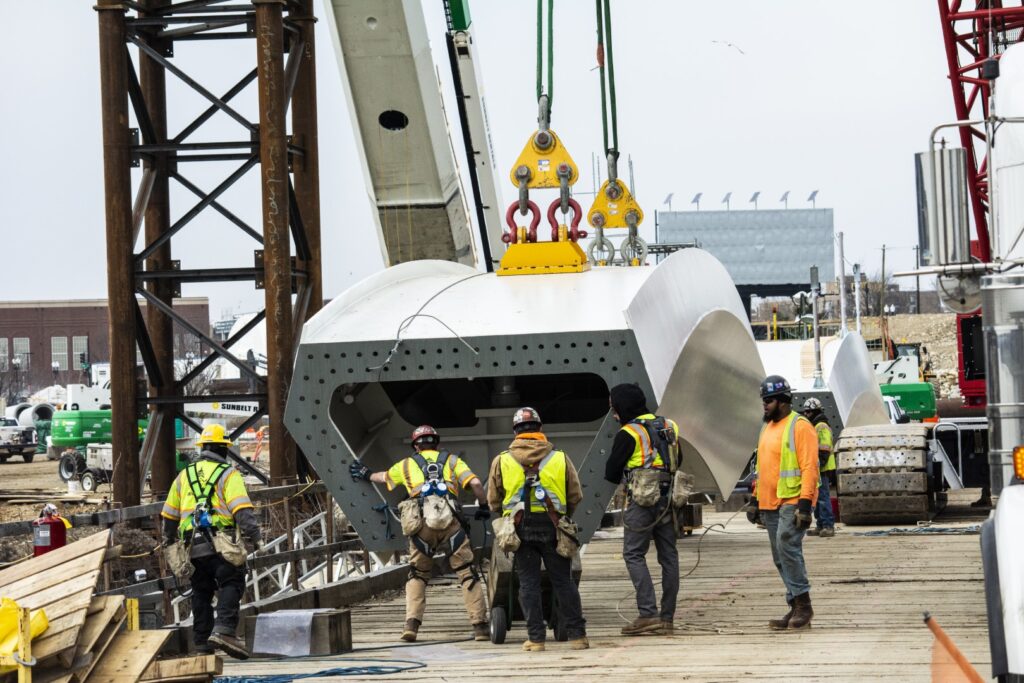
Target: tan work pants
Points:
(416, 590)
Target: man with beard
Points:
(786, 490)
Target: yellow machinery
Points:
(544, 163)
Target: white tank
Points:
(1008, 156)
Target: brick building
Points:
(36, 335)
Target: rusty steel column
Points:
(276, 245)
(153, 81)
(306, 169)
(120, 267)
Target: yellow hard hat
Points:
(213, 434)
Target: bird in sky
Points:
(728, 44)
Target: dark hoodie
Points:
(528, 449)
(628, 403)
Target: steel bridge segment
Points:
(437, 342)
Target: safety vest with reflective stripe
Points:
(551, 480)
(825, 439)
(414, 473)
(789, 465)
(228, 496)
(644, 452)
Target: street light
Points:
(16, 364)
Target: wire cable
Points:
(383, 668)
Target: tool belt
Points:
(646, 485)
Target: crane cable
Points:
(551, 51)
(604, 37)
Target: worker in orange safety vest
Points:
(785, 494)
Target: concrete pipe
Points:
(16, 410)
(40, 411)
(440, 343)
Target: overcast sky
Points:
(809, 95)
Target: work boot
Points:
(580, 643)
(232, 645)
(802, 612)
(531, 646)
(642, 625)
(412, 627)
(481, 631)
(204, 648)
(783, 623)
(828, 532)
(667, 626)
(814, 532)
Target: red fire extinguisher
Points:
(49, 531)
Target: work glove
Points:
(803, 514)
(482, 513)
(753, 512)
(359, 471)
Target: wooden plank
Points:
(56, 594)
(54, 558)
(56, 644)
(184, 667)
(54, 577)
(111, 609)
(128, 657)
(100, 647)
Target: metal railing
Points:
(292, 574)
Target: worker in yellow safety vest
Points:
(205, 508)
(826, 521)
(645, 454)
(537, 485)
(432, 518)
(785, 493)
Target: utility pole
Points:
(819, 382)
(856, 292)
(917, 264)
(842, 289)
(881, 294)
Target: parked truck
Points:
(16, 439)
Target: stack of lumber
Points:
(86, 639)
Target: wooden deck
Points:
(869, 593)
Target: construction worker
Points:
(539, 485)
(432, 479)
(826, 521)
(787, 486)
(644, 449)
(208, 499)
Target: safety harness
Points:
(532, 483)
(201, 512)
(434, 484)
(660, 437)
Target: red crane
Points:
(973, 32)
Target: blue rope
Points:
(388, 667)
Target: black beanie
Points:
(628, 401)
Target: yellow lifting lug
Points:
(538, 258)
(541, 158)
(614, 207)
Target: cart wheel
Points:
(70, 466)
(89, 482)
(499, 625)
